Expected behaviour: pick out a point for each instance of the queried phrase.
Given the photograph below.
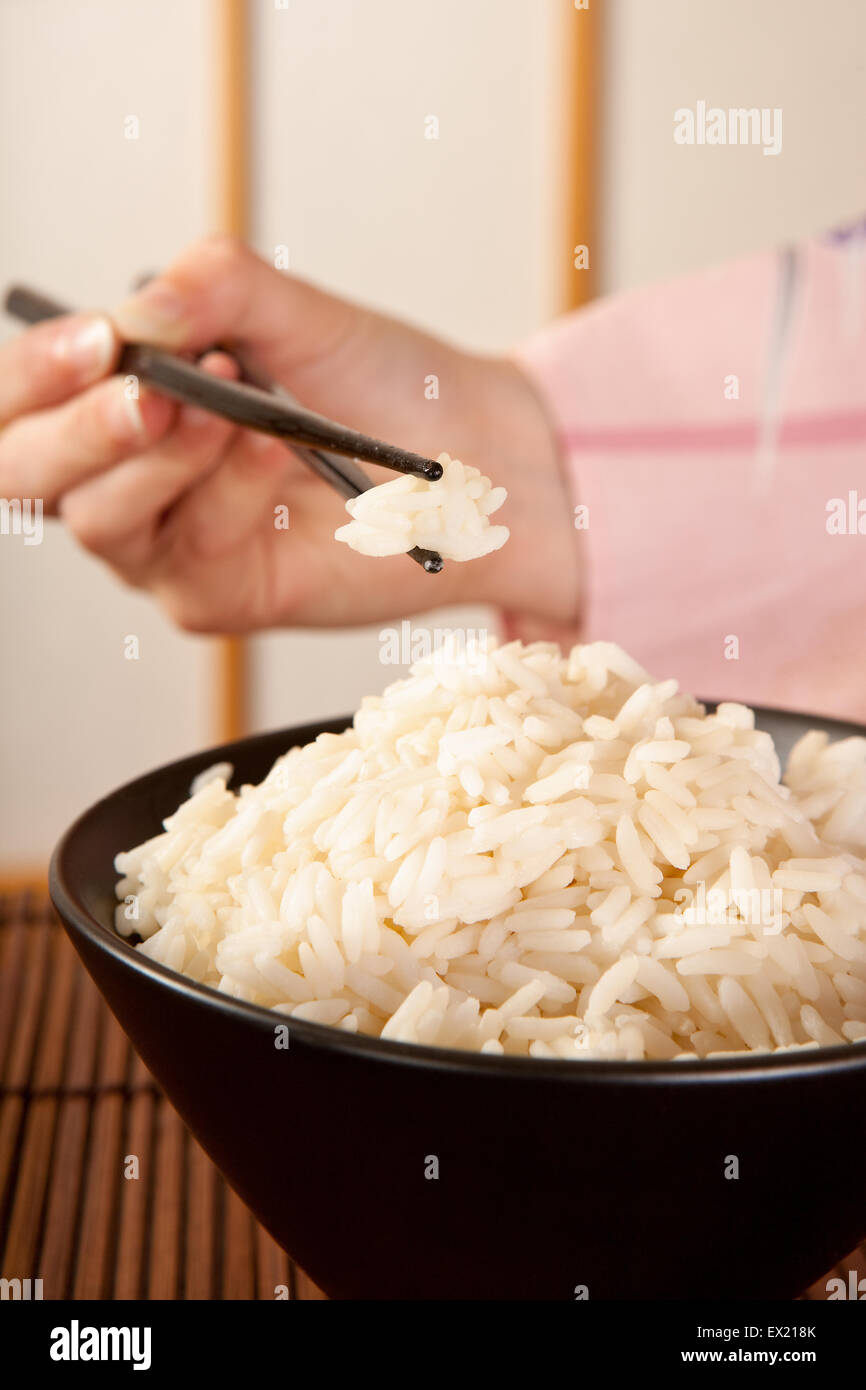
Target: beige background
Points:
(84, 210)
(460, 234)
(667, 207)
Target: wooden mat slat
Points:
(140, 1076)
(76, 1106)
(305, 1288)
(96, 1246)
(13, 949)
(133, 1250)
(167, 1202)
(58, 1254)
(273, 1272)
(238, 1254)
(39, 939)
(66, 1185)
(94, 1268)
(115, 1053)
(40, 1122)
(19, 1061)
(203, 1234)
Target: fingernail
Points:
(156, 312)
(125, 412)
(88, 343)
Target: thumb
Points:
(219, 291)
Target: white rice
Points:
(544, 856)
(451, 515)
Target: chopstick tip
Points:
(429, 560)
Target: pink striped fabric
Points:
(745, 579)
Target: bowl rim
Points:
(783, 1064)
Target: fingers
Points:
(218, 291)
(48, 453)
(54, 360)
(234, 499)
(117, 513)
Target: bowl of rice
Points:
(538, 978)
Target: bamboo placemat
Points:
(75, 1101)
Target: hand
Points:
(183, 504)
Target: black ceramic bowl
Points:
(551, 1175)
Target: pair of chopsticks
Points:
(327, 448)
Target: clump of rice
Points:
(544, 855)
(451, 515)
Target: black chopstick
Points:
(318, 441)
(244, 405)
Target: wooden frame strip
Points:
(231, 215)
(583, 56)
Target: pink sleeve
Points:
(740, 570)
